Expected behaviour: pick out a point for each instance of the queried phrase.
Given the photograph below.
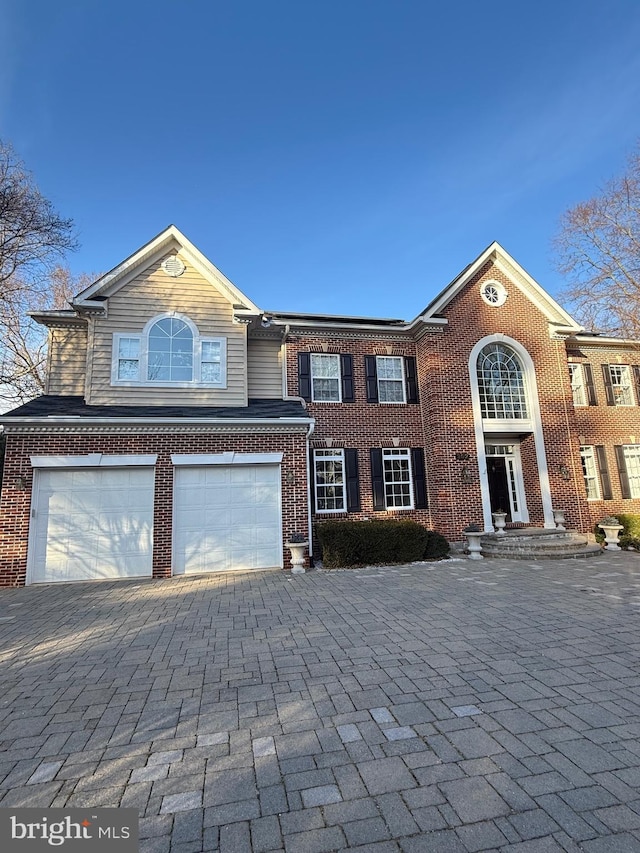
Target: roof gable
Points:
(554, 312)
(108, 284)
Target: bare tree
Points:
(598, 249)
(33, 238)
(32, 234)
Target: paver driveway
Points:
(455, 706)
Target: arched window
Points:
(170, 353)
(501, 383)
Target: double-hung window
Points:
(127, 367)
(325, 378)
(577, 385)
(618, 384)
(390, 379)
(590, 472)
(396, 468)
(628, 456)
(330, 481)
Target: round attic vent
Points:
(173, 266)
(493, 293)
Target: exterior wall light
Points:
(564, 472)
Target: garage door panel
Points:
(92, 523)
(227, 518)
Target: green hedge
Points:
(630, 534)
(365, 543)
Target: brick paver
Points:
(450, 706)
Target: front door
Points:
(504, 476)
(498, 485)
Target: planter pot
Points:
(297, 556)
(611, 536)
(558, 517)
(474, 545)
(499, 522)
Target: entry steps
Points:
(536, 543)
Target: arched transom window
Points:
(501, 383)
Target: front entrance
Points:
(506, 486)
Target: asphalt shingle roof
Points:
(50, 405)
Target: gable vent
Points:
(173, 266)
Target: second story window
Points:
(577, 385)
(617, 381)
(503, 394)
(169, 352)
(325, 378)
(390, 379)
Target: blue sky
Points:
(344, 157)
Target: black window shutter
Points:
(346, 371)
(606, 375)
(371, 373)
(304, 375)
(591, 388)
(351, 479)
(419, 478)
(377, 479)
(622, 471)
(412, 379)
(636, 378)
(605, 479)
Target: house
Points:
(186, 430)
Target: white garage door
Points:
(227, 517)
(91, 523)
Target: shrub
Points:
(378, 542)
(629, 535)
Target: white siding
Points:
(264, 365)
(67, 361)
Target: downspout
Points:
(310, 431)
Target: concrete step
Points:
(538, 544)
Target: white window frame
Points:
(578, 390)
(329, 455)
(402, 453)
(632, 464)
(143, 357)
(401, 379)
(590, 472)
(620, 376)
(325, 355)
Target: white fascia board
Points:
(95, 460)
(120, 274)
(601, 340)
(192, 459)
(457, 284)
(509, 266)
(328, 325)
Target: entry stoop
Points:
(535, 543)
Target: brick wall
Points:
(361, 425)
(15, 500)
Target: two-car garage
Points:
(92, 517)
